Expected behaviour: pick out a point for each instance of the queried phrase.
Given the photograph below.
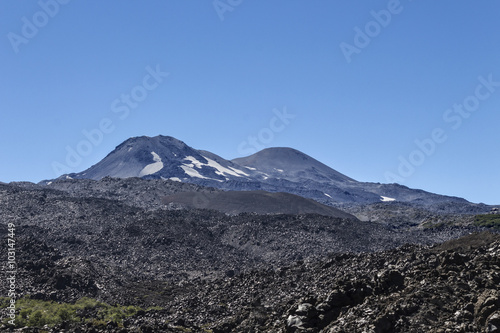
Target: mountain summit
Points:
(272, 170)
(162, 157)
(291, 164)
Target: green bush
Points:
(37, 313)
(488, 220)
(37, 318)
(65, 314)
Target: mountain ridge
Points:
(278, 169)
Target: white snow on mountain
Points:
(194, 162)
(190, 171)
(221, 170)
(175, 179)
(239, 172)
(386, 199)
(328, 195)
(153, 167)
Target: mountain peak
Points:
(140, 156)
(290, 162)
(159, 139)
(163, 157)
(279, 169)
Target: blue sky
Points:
(382, 91)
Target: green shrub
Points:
(65, 314)
(37, 313)
(37, 318)
(86, 302)
(488, 220)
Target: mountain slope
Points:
(152, 194)
(161, 157)
(273, 170)
(291, 164)
(260, 202)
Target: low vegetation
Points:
(38, 313)
(488, 220)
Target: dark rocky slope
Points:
(264, 273)
(150, 194)
(137, 192)
(451, 287)
(260, 202)
(176, 244)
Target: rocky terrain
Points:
(401, 215)
(452, 287)
(141, 240)
(148, 194)
(259, 202)
(157, 193)
(152, 194)
(196, 270)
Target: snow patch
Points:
(49, 183)
(194, 162)
(175, 179)
(153, 167)
(386, 199)
(239, 171)
(253, 169)
(328, 195)
(279, 170)
(188, 169)
(220, 170)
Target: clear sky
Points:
(382, 91)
